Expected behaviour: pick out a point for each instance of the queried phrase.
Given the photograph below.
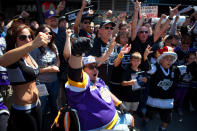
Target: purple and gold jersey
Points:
(93, 103)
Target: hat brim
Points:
(90, 18)
(112, 23)
(167, 54)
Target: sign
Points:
(71, 16)
(150, 11)
(26, 7)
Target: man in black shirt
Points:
(103, 47)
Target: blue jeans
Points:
(50, 100)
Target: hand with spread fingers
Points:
(147, 52)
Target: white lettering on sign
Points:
(150, 11)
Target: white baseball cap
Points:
(88, 60)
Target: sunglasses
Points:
(24, 37)
(143, 32)
(86, 22)
(111, 28)
(50, 33)
(91, 67)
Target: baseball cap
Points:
(88, 60)
(90, 18)
(49, 14)
(107, 22)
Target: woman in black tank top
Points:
(22, 75)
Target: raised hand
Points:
(147, 52)
(42, 39)
(81, 45)
(85, 2)
(174, 11)
(68, 32)
(137, 5)
(108, 13)
(61, 6)
(125, 49)
(122, 16)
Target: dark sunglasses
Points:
(86, 22)
(111, 28)
(144, 32)
(50, 33)
(91, 67)
(24, 37)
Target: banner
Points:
(150, 11)
(71, 16)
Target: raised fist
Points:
(81, 45)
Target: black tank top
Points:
(21, 73)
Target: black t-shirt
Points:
(99, 48)
(138, 46)
(129, 94)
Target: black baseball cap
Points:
(90, 18)
(107, 22)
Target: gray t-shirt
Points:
(44, 60)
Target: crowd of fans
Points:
(107, 72)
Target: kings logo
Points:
(165, 84)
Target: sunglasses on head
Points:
(91, 67)
(144, 32)
(24, 37)
(111, 28)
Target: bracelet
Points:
(170, 18)
(118, 103)
(120, 56)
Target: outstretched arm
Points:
(173, 12)
(67, 46)
(79, 15)
(80, 46)
(106, 55)
(134, 20)
(14, 55)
